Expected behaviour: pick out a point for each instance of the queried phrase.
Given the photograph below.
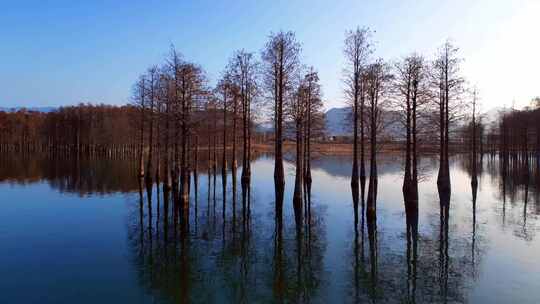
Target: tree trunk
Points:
(414, 148)
(234, 164)
(298, 181)
(474, 180)
(362, 141)
(279, 175)
(184, 165)
(373, 178)
(141, 145)
(224, 156)
(168, 181)
(354, 175)
(151, 137)
(158, 151)
(407, 178)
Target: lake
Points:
(82, 231)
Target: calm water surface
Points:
(82, 232)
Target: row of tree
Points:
(83, 129)
(174, 97)
(179, 111)
(518, 133)
(424, 92)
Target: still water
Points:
(82, 232)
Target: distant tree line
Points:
(83, 129)
(516, 136)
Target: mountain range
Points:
(338, 121)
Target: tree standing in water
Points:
(140, 103)
(312, 122)
(168, 94)
(377, 78)
(281, 65)
(152, 91)
(161, 100)
(224, 87)
(296, 108)
(474, 180)
(214, 143)
(234, 100)
(410, 88)
(189, 86)
(235, 97)
(243, 69)
(357, 50)
(174, 67)
(448, 86)
(299, 109)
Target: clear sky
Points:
(65, 52)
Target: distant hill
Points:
(265, 126)
(35, 109)
(338, 123)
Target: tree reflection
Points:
(517, 180)
(444, 258)
(279, 278)
(298, 261)
(249, 253)
(212, 265)
(437, 265)
(83, 176)
(474, 188)
(163, 264)
(411, 218)
(366, 272)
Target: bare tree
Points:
(235, 96)
(168, 94)
(243, 69)
(139, 99)
(300, 109)
(281, 64)
(174, 66)
(448, 85)
(161, 102)
(410, 85)
(189, 86)
(152, 92)
(214, 141)
(224, 88)
(377, 80)
(356, 50)
(314, 118)
(314, 114)
(474, 180)
(296, 108)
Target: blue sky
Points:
(66, 52)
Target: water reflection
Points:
(411, 218)
(218, 264)
(426, 250)
(474, 189)
(77, 175)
